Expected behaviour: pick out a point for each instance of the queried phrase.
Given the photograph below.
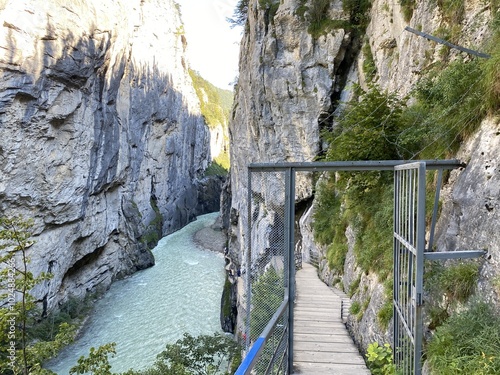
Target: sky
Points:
(213, 47)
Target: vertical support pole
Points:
(435, 210)
(396, 260)
(290, 252)
(419, 272)
(248, 260)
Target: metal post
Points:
(397, 262)
(435, 210)
(290, 251)
(248, 272)
(419, 278)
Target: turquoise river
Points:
(144, 312)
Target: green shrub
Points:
(369, 67)
(358, 11)
(453, 10)
(468, 343)
(318, 17)
(320, 23)
(459, 280)
(456, 281)
(271, 7)
(354, 287)
(223, 160)
(491, 68)
(384, 315)
(380, 359)
(355, 308)
(368, 128)
(268, 293)
(407, 7)
(449, 107)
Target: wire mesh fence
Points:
(266, 268)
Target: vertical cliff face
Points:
(285, 85)
(288, 85)
(101, 137)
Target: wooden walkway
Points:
(322, 344)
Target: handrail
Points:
(254, 353)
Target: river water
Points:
(154, 307)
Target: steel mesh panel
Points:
(266, 266)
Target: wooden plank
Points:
(324, 338)
(321, 346)
(327, 357)
(329, 369)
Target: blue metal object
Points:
(253, 355)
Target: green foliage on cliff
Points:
(215, 102)
(407, 7)
(368, 130)
(448, 105)
(153, 231)
(369, 67)
(449, 287)
(216, 169)
(317, 14)
(468, 343)
(270, 7)
(268, 294)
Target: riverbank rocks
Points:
(101, 139)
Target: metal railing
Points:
(277, 350)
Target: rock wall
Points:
(287, 88)
(101, 138)
(285, 85)
(471, 206)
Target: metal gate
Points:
(410, 251)
(269, 267)
(409, 245)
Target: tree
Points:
(202, 355)
(240, 14)
(18, 355)
(97, 362)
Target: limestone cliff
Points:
(285, 86)
(289, 86)
(102, 141)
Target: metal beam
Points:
(446, 43)
(290, 250)
(443, 255)
(371, 165)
